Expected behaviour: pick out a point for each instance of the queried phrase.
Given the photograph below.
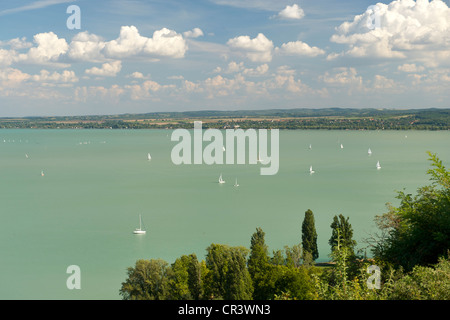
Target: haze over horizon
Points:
(139, 56)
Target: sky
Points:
(138, 56)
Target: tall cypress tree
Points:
(309, 235)
(258, 264)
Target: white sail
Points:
(139, 230)
(221, 180)
(342, 147)
(378, 165)
(149, 157)
(236, 184)
(311, 171)
(369, 152)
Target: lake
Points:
(96, 183)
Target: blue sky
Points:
(136, 56)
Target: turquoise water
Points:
(97, 182)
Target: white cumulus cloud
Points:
(414, 30)
(291, 12)
(49, 48)
(164, 43)
(107, 69)
(258, 49)
(194, 33)
(299, 48)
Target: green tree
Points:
(185, 278)
(146, 281)
(418, 231)
(258, 264)
(309, 235)
(228, 277)
(342, 229)
(196, 275)
(286, 277)
(292, 282)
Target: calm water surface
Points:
(97, 182)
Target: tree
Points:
(258, 253)
(418, 231)
(342, 229)
(292, 282)
(196, 274)
(309, 235)
(185, 278)
(258, 263)
(228, 277)
(146, 281)
(178, 279)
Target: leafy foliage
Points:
(418, 231)
(228, 277)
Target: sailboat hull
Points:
(139, 231)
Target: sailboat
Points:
(369, 152)
(42, 173)
(149, 157)
(342, 147)
(378, 165)
(310, 147)
(139, 230)
(311, 171)
(221, 180)
(236, 184)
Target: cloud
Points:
(382, 83)
(194, 33)
(343, 77)
(410, 67)
(258, 49)
(49, 49)
(299, 48)
(136, 75)
(293, 12)
(65, 76)
(403, 29)
(258, 71)
(164, 43)
(234, 67)
(7, 57)
(107, 69)
(111, 94)
(11, 77)
(129, 44)
(87, 47)
(17, 43)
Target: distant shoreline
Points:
(289, 119)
